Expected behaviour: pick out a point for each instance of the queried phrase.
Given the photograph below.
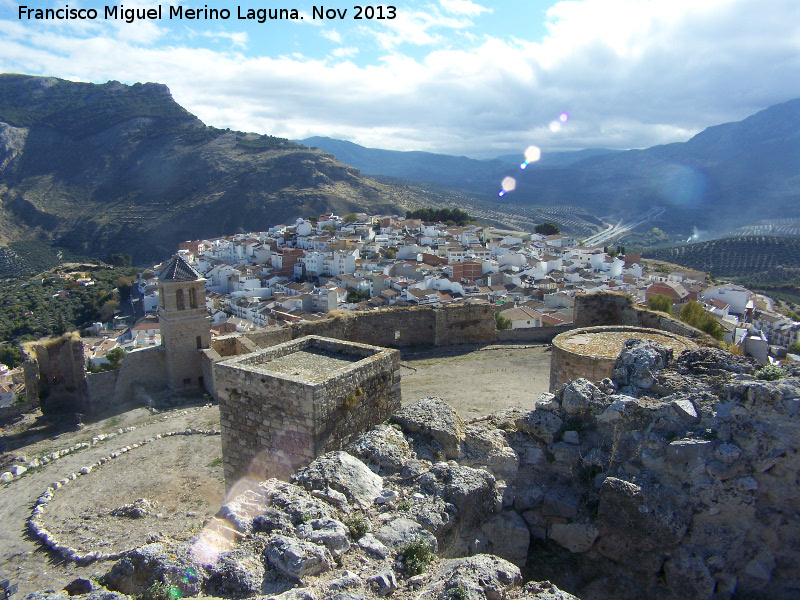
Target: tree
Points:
(502, 322)
(547, 228)
(660, 303)
(118, 259)
(124, 288)
(695, 315)
(114, 358)
(10, 356)
(351, 218)
(354, 296)
(795, 348)
(391, 252)
(108, 309)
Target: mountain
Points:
(457, 171)
(118, 168)
(726, 177)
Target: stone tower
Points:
(184, 321)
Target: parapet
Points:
(590, 352)
(282, 407)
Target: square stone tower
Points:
(185, 324)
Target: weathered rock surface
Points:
(296, 558)
(480, 577)
(639, 363)
(344, 473)
(432, 417)
(383, 446)
(401, 532)
(471, 491)
(156, 564)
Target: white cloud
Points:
(630, 74)
(345, 52)
(237, 38)
(332, 35)
(463, 7)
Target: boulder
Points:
(649, 518)
(383, 446)
(434, 418)
(479, 577)
(344, 473)
(273, 505)
(295, 558)
(582, 397)
(157, 563)
(540, 423)
(237, 572)
(384, 582)
(471, 491)
(329, 532)
(575, 537)
(688, 577)
(373, 546)
(401, 532)
(639, 363)
(544, 590)
(508, 536)
(489, 447)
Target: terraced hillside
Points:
(760, 262)
(735, 257)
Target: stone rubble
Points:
(675, 479)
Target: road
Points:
(615, 231)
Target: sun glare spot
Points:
(555, 126)
(563, 117)
(532, 154)
(509, 184)
(523, 165)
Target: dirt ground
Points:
(478, 380)
(181, 476)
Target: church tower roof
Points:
(179, 270)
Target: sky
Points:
(462, 77)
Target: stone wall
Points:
(570, 361)
(533, 335)
(101, 389)
(277, 415)
(618, 308)
(145, 369)
(62, 375)
(396, 328)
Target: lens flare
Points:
(523, 165)
(555, 126)
(509, 184)
(563, 117)
(532, 154)
(501, 193)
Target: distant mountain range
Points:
(724, 178)
(456, 171)
(117, 168)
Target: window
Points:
(179, 300)
(192, 298)
(199, 342)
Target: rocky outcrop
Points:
(676, 479)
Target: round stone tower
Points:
(184, 321)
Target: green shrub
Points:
(357, 526)
(416, 557)
(771, 373)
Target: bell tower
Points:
(184, 321)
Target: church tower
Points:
(184, 321)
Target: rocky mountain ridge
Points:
(108, 168)
(674, 478)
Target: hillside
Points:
(725, 178)
(764, 263)
(104, 168)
